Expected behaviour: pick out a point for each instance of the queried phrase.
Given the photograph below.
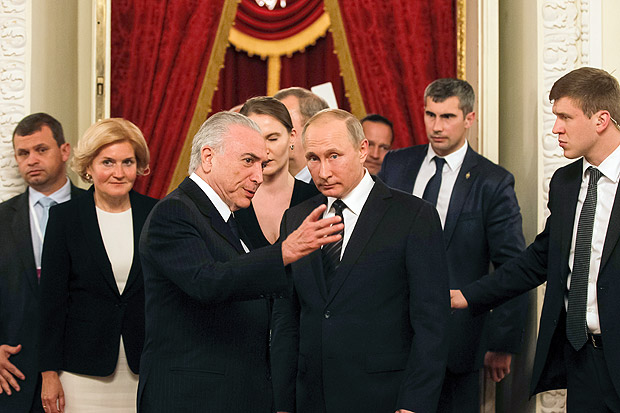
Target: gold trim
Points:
(351, 85)
(460, 38)
(274, 65)
(209, 85)
(296, 43)
(100, 60)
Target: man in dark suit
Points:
(41, 153)
(480, 215)
(207, 297)
(365, 327)
(577, 254)
(380, 134)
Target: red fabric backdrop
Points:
(160, 51)
(279, 23)
(398, 47)
(244, 77)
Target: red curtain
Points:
(160, 51)
(262, 23)
(398, 47)
(244, 77)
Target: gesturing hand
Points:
(8, 371)
(313, 233)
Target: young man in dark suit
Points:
(480, 215)
(577, 254)
(41, 153)
(207, 295)
(365, 327)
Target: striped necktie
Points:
(331, 252)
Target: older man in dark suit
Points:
(207, 307)
(480, 215)
(365, 327)
(577, 254)
(41, 153)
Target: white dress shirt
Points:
(605, 195)
(450, 172)
(304, 175)
(354, 201)
(37, 236)
(219, 204)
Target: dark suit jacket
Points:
(377, 341)
(82, 312)
(19, 298)
(546, 259)
(207, 334)
(483, 226)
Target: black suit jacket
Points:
(19, 298)
(83, 314)
(377, 341)
(207, 312)
(483, 226)
(546, 259)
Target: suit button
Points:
(262, 296)
(327, 314)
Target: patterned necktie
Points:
(431, 192)
(232, 224)
(576, 327)
(331, 252)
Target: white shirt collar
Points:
(356, 199)
(219, 204)
(60, 196)
(453, 160)
(610, 167)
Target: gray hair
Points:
(442, 89)
(309, 103)
(213, 132)
(354, 127)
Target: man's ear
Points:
(603, 120)
(363, 150)
(206, 158)
(469, 119)
(65, 151)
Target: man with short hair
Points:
(41, 153)
(365, 327)
(480, 215)
(577, 254)
(206, 294)
(302, 104)
(380, 134)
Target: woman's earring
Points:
(88, 177)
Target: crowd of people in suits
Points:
(303, 266)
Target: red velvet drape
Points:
(398, 47)
(279, 23)
(244, 77)
(160, 51)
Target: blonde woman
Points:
(92, 292)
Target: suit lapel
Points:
(464, 181)
(23, 236)
(613, 231)
(92, 234)
(207, 208)
(375, 207)
(567, 205)
(138, 216)
(413, 168)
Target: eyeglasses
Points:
(615, 123)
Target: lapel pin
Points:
(467, 175)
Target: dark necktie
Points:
(576, 327)
(331, 252)
(431, 192)
(232, 224)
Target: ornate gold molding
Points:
(351, 85)
(460, 38)
(209, 85)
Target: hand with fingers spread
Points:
(311, 235)
(52, 394)
(8, 371)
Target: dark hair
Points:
(265, 105)
(309, 103)
(374, 117)
(35, 122)
(591, 90)
(442, 89)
